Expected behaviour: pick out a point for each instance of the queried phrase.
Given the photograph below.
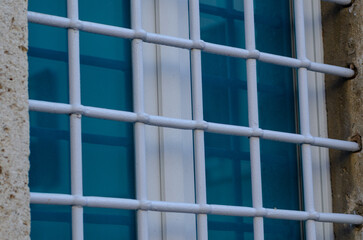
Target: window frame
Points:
(318, 117)
(317, 107)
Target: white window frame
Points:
(155, 178)
(318, 117)
(168, 94)
(166, 17)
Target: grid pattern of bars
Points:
(76, 110)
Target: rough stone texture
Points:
(14, 123)
(343, 44)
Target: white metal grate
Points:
(76, 110)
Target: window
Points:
(144, 138)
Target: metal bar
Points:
(213, 209)
(304, 119)
(253, 122)
(341, 2)
(139, 127)
(186, 44)
(75, 120)
(160, 121)
(197, 101)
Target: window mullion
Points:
(255, 157)
(197, 98)
(304, 118)
(75, 120)
(139, 127)
(174, 100)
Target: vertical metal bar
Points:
(253, 119)
(197, 97)
(139, 128)
(75, 120)
(304, 118)
(296, 115)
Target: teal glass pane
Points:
(102, 223)
(228, 171)
(54, 7)
(107, 146)
(276, 101)
(50, 222)
(106, 72)
(282, 229)
(279, 175)
(273, 26)
(110, 12)
(108, 153)
(49, 153)
(105, 61)
(48, 63)
(226, 227)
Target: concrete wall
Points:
(14, 123)
(343, 44)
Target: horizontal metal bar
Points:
(126, 33)
(160, 121)
(160, 206)
(341, 2)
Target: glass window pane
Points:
(111, 12)
(105, 72)
(108, 158)
(54, 7)
(50, 222)
(49, 153)
(102, 223)
(225, 101)
(226, 227)
(107, 146)
(48, 63)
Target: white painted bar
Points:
(114, 31)
(341, 2)
(116, 115)
(213, 209)
(197, 105)
(139, 127)
(75, 120)
(253, 122)
(307, 168)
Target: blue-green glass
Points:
(48, 63)
(105, 72)
(54, 7)
(50, 222)
(49, 157)
(105, 61)
(109, 224)
(108, 169)
(225, 101)
(110, 12)
(107, 146)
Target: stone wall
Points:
(14, 121)
(343, 45)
